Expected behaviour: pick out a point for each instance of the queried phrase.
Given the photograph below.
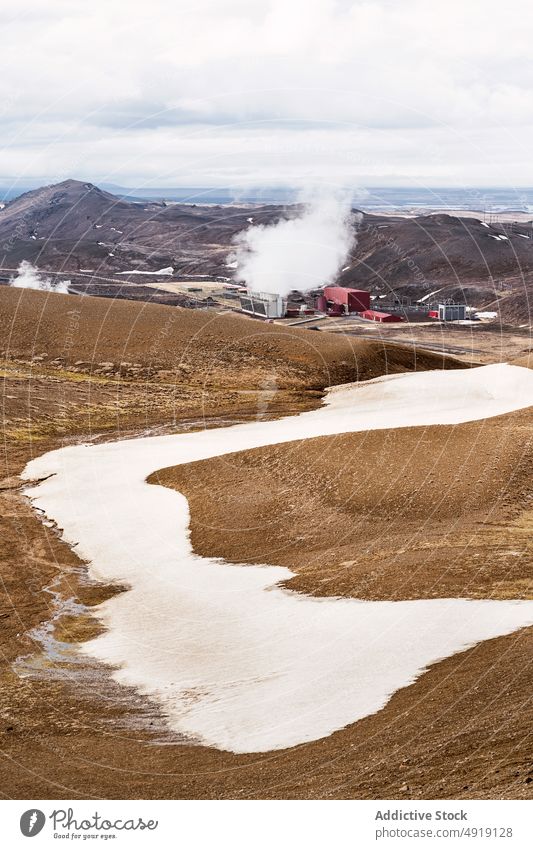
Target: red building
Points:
(374, 315)
(346, 300)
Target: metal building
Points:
(375, 315)
(452, 312)
(346, 300)
(263, 304)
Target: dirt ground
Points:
(414, 513)
(398, 514)
(66, 729)
(480, 343)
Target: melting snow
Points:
(235, 661)
(168, 272)
(429, 295)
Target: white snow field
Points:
(165, 272)
(235, 661)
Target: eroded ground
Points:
(460, 731)
(419, 512)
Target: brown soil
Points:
(479, 343)
(66, 730)
(414, 513)
(410, 513)
(195, 348)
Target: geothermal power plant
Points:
(338, 301)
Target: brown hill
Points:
(402, 513)
(201, 347)
(414, 256)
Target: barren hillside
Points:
(133, 340)
(77, 227)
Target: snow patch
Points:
(166, 272)
(235, 661)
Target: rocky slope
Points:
(73, 226)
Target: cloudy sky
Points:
(261, 92)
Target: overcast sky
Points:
(284, 92)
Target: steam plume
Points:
(29, 277)
(298, 253)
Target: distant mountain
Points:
(75, 225)
(413, 256)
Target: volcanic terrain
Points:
(395, 514)
(92, 236)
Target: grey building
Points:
(263, 304)
(452, 312)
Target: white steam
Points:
(300, 253)
(29, 277)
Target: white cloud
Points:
(225, 92)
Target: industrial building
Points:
(333, 300)
(375, 315)
(452, 312)
(338, 300)
(263, 304)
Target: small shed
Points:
(374, 315)
(452, 312)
